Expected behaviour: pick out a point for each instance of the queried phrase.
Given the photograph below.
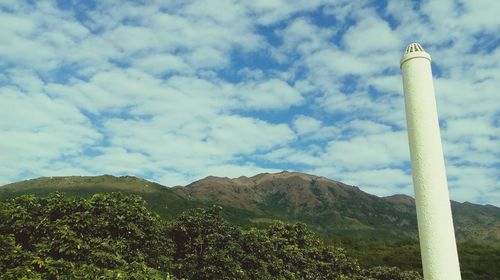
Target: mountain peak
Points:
(256, 179)
(283, 175)
(297, 190)
(400, 198)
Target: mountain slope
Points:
(328, 206)
(336, 208)
(160, 199)
(371, 228)
(472, 221)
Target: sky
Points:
(173, 91)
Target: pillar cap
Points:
(414, 50)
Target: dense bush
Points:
(113, 236)
(110, 235)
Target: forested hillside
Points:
(337, 209)
(375, 231)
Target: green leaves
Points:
(391, 273)
(206, 245)
(57, 236)
(114, 236)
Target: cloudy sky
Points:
(173, 91)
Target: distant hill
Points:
(472, 222)
(160, 199)
(330, 207)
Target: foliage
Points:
(114, 236)
(206, 246)
(390, 273)
(477, 261)
(111, 235)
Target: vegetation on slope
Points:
(327, 206)
(114, 236)
(160, 199)
(342, 219)
(334, 208)
(477, 261)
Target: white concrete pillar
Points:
(435, 224)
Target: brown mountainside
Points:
(328, 206)
(333, 206)
(472, 221)
(301, 191)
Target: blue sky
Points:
(173, 91)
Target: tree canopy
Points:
(115, 236)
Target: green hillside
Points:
(329, 207)
(160, 199)
(377, 231)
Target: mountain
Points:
(334, 208)
(160, 198)
(330, 207)
(472, 222)
(375, 230)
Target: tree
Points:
(206, 246)
(107, 234)
(114, 236)
(391, 273)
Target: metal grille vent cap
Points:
(414, 50)
(414, 47)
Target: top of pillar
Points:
(414, 50)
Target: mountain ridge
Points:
(328, 206)
(320, 202)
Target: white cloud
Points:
(469, 183)
(158, 64)
(365, 127)
(230, 131)
(470, 17)
(381, 182)
(177, 91)
(469, 128)
(233, 11)
(129, 40)
(196, 145)
(37, 130)
(305, 37)
(40, 39)
(208, 57)
(333, 62)
(306, 125)
(117, 160)
(308, 156)
(269, 94)
(269, 12)
(25, 80)
(251, 74)
(375, 151)
(370, 36)
(309, 128)
(344, 9)
(386, 83)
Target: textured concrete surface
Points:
(435, 224)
